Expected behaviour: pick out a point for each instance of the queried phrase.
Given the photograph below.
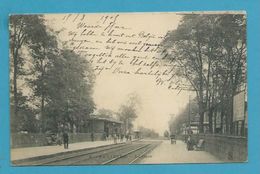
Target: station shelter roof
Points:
(102, 118)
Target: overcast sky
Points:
(110, 90)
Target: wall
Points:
(226, 148)
(98, 126)
(31, 140)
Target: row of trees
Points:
(209, 53)
(127, 112)
(148, 133)
(51, 86)
(187, 115)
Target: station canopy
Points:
(104, 118)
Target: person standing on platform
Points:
(121, 137)
(189, 143)
(129, 137)
(115, 138)
(66, 140)
(92, 136)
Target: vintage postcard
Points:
(128, 88)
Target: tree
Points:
(106, 113)
(57, 89)
(231, 65)
(176, 123)
(189, 48)
(69, 90)
(43, 50)
(148, 133)
(166, 134)
(23, 29)
(208, 51)
(128, 112)
(26, 120)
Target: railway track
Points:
(127, 153)
(133, 156)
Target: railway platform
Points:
(177, 153)
(31, 152)
(130, 152)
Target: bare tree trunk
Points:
(210, 120)
(18, 39)
(15, 54)
(221, 119)
(228, 117)
(201, 103)
(42, 97)
(231, 115)
(215, 120)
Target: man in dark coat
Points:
(66, 140)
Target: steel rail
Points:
(145, 152)
(119, 148)
(72, 155)
(116, 158)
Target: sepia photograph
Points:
(128, 88)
